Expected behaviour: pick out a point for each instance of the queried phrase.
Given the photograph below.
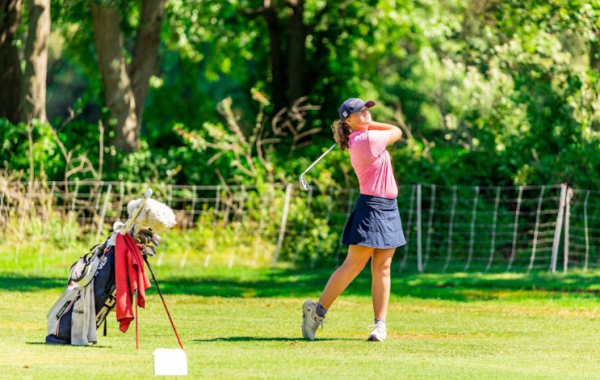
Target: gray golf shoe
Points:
(310, 320)
(379, 332)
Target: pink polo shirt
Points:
(372, 163)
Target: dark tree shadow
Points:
(298, 283)
(455, 287)
(14, 282)
(66, 345)
(266, 339)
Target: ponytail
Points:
(341, 134)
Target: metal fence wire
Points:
(448, 228)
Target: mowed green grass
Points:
(245, 323)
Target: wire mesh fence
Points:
(483, 228)
(448, 228)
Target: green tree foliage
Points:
(487, 92)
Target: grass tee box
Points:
(245, 323)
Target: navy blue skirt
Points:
(374, 222)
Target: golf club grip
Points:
(319, 159)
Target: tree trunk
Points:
(145, 55)
(595, 56)
(296, 51)
(36, 61)
(10, 67)
(277, 65)
(118, 95)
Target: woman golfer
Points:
(373, 230)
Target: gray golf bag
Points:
(91, 288)
(90, 294)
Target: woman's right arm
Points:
(394, 133)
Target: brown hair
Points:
(341, 134)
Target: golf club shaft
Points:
(319, 159)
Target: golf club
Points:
(303, 182)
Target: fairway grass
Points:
(245, 323)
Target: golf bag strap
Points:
(105, 334)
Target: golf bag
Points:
(92, 275)
(92, 288)
(91, 285)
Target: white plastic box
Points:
(170, 362)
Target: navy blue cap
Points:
(353, 105)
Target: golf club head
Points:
(156, 239)
(142, 239)
(304, 183)
(149, 250)
(144, 236)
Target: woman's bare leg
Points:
(357, 258)
(380, 268)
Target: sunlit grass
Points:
(243, 322)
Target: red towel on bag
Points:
(130, 275)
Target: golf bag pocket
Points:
(84, 270)
(86, 302)
(61, 311)
(83, 317)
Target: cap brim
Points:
(370, 104)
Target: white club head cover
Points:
(154, 214)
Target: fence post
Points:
(192, 220)
(494, 222)
(74, 197)
(44, 227)
(217, 204)
(348, 210)
(2, 220)
(419, 232)
(21, 232)
(51, 201)
(327, 218)
(537, 226)
(587, 236)
(121, 197)
(2, 197)
(567, 217)
(450, 229)
(286, 205)
(408, 226)
(559, 222)
(185, 235)
(258, 242)
(513, 251)
(300, 245)
(103, 214)
(472, 234)
(429, 226)
(239, 216)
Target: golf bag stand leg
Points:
(163, 301)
